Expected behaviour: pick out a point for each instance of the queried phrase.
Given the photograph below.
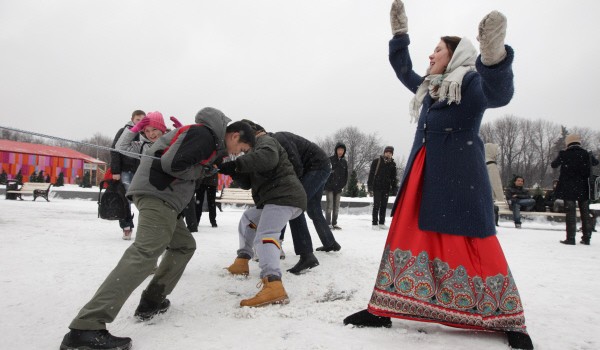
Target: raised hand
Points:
(398, 18)
(492, 31)
(176, 123)
(140, 125)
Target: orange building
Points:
(33, 157)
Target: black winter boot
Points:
(518, 340)
(335, 247)
(366, 319)
(97, 339)
(307, 261)
(147, 309)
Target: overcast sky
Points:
(71, 68)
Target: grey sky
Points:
(71, 68)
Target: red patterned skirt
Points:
(454, 280)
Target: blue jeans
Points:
(517, 204)
(313, 183)
(126, 177)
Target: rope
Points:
(134, 154)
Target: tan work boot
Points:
(239, 267)
(271, 293)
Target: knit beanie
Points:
(389, 149)
(157, 121)
(572, 138)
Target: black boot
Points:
(335, 247)
(365, 319)
(307, 261)
(147, 309)
(97, 339)
(568, 241)
(518, 340)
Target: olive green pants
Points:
(158, 229)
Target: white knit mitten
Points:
(398, 18)
(492, 31)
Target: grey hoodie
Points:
(185, 155)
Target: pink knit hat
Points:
(156, 121)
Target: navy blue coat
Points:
(457, 195)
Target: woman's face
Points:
(439, 59)
(152, 134)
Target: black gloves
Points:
(228, 168)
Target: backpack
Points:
(112, 204)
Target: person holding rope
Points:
(162, 186)
(442, 261)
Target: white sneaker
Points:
(127, 234)
(383, 227)
(375, 227)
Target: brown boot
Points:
(239, 267)
(272, 292)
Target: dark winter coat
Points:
(457, 196)
(518, 191)
(120, 162)
(339, 171)
(382, 176)
(268, 172)
(574, 163)
(304, 155)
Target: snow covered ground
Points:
(54, 255)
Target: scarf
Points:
(446, 86)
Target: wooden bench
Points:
(38, 189)
(505, 210)
(235, 196)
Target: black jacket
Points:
(574, 163)
(382, 176)
(303, 154)
(120, 162)
(339, 171)
(520, 192)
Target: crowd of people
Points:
(440, 263)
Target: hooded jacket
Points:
(339, 171)
(184, 155)
(268, 172)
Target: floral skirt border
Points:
(421, 289)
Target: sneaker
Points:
(584, 242)
(517, 225)
(331, 227)
(78, 339)
(127, 233)
(336, 227)
(334, 247)
(147, 309)
(383, 227)
(375, 227)
(366, 319)
(272, 292)
(213, 224)
(568, 242)
(239, 267)
(307, 261)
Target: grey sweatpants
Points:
(158, 228)
(261, 228)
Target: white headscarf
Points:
(448, 84)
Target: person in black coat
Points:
(518, 198)
(209, 186)
(575, 168)
(335, 183)
(123, 167)
(382, 180)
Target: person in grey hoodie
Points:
(161, 188)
